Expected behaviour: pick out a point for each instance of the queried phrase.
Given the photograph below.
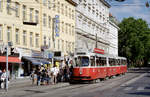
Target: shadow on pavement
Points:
(140, 93)
(34, 91)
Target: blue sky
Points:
(136, 9)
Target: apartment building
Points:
(92, 25)
(34, 24)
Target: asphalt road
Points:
(133, 84)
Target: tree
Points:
(134, 41)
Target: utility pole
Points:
(96, 40)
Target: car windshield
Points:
(82, 61)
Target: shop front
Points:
(32, 62)
(14, 66)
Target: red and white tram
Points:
(93, 66)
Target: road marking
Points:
(140, 88)
(133, 80)
(128, 88)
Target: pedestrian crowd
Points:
(44, 75)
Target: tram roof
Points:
(98, 55)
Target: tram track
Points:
(81, 88)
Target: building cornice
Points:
(113, 24)
(106, 3)
(72, 2)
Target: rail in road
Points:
(62, 88)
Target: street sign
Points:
(56, 25)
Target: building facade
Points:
(31, 25)
(113, 35)
(92, 23)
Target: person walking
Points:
(55, 72)
(33, 76)
(38, 76)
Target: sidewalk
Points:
(26, 82)
(20, 82)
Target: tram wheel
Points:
(92, 81)
(72, 82)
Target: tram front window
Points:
(82, 61)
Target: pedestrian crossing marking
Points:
(140, 88)
(128, 88)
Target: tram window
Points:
(77, 61)
(85, 61)
(82, 61)
(92, 61)
(97, 61)
(110, 62)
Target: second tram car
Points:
(92, 66)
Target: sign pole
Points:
(7, 69)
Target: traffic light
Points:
(11, 51)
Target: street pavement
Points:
(136, 83)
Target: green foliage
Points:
(134, 41)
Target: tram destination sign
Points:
(99, 51)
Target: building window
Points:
(49, 21)
(58, 7)
(31, 14)
(1, 32)
(54, 5)
(1, 5)
(73, 31)
(49, 42)
(49, 4)
(37, 40)
(72, 47)
(66, 28)
(62, 26)
(24, 38)
(8, 7)
(44, 40)
(54, 43)
(66, 10)
(69, 29)
(73, 14)
(37, 0)
(17, 36)
(62, 8)
(31, 39)
(66, 46)
(70, 13)
(24, 12)
(44, 20)
(17, 9)
(58, 44)
(44, 2)
(8, 33)
(37, 16)
(63, 45)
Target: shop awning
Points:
(36, 61)
(10, 59)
